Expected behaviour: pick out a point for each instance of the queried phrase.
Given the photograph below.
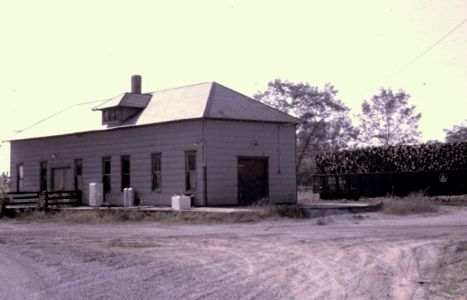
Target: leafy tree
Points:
(458, 133)
(4, 187)
(389, 119)
(326, 125)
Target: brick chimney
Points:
(136, 84)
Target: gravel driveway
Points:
(367, 256)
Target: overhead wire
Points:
(427, 50)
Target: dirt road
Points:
(369, 256)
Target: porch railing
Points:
(50, 198)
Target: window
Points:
(110, 115)
(20, 177)
(156, 171)
(78, 174)
(43, 176)
(190, 170)
(125, 168)
(106, 174)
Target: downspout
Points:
(206, 111)
(204, 154)
(296, 166)
(278, 149)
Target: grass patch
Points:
(412, 204)
(258, 213)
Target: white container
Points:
(96, 194)
(181, 202)
(131, 197)
(125, 197)
(128, 197)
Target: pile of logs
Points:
(403, 158)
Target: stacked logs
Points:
(403, 158)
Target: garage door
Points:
(252, 180)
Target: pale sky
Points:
(57, 53)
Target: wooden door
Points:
(252, 180)
(61, 179)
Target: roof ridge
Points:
(207, 107)
(179, 87)
(257, 101)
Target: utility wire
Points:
(49, 117)
(427, 50)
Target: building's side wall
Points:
(171, 140)
(227, 140)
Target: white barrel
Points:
(125, 197)
(131, 197)
(175, 202)
(96, 194)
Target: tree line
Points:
(386, 119)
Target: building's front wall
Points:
(229, 140)
(218, 145)
(171, 140)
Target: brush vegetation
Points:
(5, 184)
(415, 203)
(117, 215)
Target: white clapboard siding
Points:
(171, 140)
(221, 141)
(227, 140)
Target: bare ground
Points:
(367, 256)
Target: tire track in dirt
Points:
(289, 260)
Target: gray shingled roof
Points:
(205, 100)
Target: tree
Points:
(4, 187)
(458, 133)
(326, 125)
(389, 119)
